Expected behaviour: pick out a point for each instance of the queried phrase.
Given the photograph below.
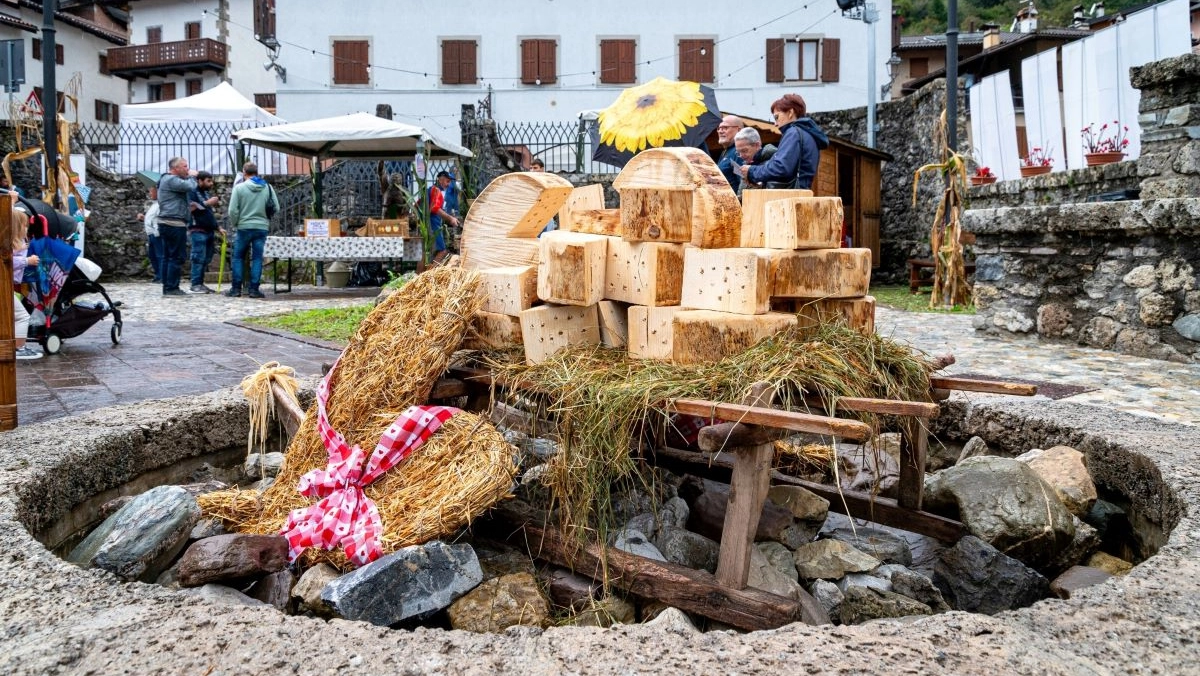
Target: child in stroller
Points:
(57, 283)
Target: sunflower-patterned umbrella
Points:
(658, 113)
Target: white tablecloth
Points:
(344, 248)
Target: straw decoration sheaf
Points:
(402, 347)
(601, 398)
(256, 387)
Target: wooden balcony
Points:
(167, 58)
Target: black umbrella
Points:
(60, 224)
(653, 115)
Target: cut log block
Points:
(571, 269)
(503, 222)
(754, 214)
(508, 291)
(700, 336)
(727, 280)
(583, 198)
(803, 223)
(493, 331)
(596, 222)
(650, 332)
(546, 329)
(822, 273)
(716, 214)
(858, 313)
(614, 323)
(644, 273)
(656, 215)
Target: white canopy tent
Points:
(196, 127)
(354, 136)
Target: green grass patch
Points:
(336, 324)
(899, 298)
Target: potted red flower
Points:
(1037, 162)
(1105, 146)
(983, 176)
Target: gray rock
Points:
(864, 603)
(831, 559)
(207, 528)
(1086, 541)
(828, 596)
(223, 595)
(974, 447)
(766, 577)
(974, 576)
(801, 502)
(234, 557)
(412, 582)
(799, 534)
(863, 580)
(878, 543)
(1105, 515)
(1064, 469)
(1076, 578)
(274, 589)
(780, 557)
(572, 591)
(606, 612)
(687, 548)
(169, 578)
(307, 591)
(498, 560)
(870, 467)
(263, 465)
(636, 543)
(1188, 326)
(1005, 503)
(674, 513)
(914, 585)
(646, 524)
(675, 621)
(500, 603)
(143, 537)
(262, 484)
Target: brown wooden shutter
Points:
(168, 91)
(116, 114)
(191, 30)
(547, 61)
(450, 60)
(458, 61)
(610, 62)
(350, 62)
(194, 87)
(774, 60)
(58, 54)
(35, 45)
(529, 61)
(100, 112)
(706, 57)
(831, 53)
(626, 68)
(153, 34)
(466, 62)
(103, 64)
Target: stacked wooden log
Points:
(681, 271)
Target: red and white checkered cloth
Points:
(345, 516)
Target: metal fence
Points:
(563, 146)
(126, 149)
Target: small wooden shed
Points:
(849, 171)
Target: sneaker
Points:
(26, 352)
(255, 293)
(200, 288)
(233, 293)
(174, 292)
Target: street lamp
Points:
(865, 11)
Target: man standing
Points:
(203, 230)
(173, 219)
(728, 160)
(438, 214)
(248, 217)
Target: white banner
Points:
(994, 126)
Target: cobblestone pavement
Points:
(182, 345)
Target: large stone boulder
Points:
(976, 577)
(765, 576)
(1005, 503)
(912, 584)
(866, 603)
(307, 590)
(831, 559)
(235, 557)
(1064, 469)
(881, 544)
(500, 603)
(687, 548)
(140, 540)
(413, 582)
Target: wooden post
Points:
(914, 443)
(747, 492)
(8, 358)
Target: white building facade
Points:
(551, 59)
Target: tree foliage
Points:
(925, 17)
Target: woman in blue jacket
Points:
(794, 165)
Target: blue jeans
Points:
(174, 243)
(203, 249)
(154, 251)
(254, 241)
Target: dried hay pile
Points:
(601, 399)
(391, 363)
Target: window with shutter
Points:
(168, 91)
(617, 61)
(831, 54)
(153, 34)
(194, 87)
(920, 68)
(802, 60)
(774, 60)
(58, 54)
(696, 60)
(459, 61)
(538, 62)
(351, 62)
(191, 30)
(35, 46)
(264, 19)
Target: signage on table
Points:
(322, 227)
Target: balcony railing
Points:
(164, 58)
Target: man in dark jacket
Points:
(174, 215)
(203, 230)
(751, 151)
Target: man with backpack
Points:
(251, 206)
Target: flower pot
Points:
(1096, 159)
(982, 180)
(1035, 171)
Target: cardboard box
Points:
(392, 227)
(322, 227)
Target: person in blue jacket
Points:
(794, 164)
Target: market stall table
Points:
(360, 249)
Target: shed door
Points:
(869, 189)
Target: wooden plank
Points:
(919, 409)
(287, 409)
(747, 493)
(978, 385)
(858, 313)
(651, 332)
(493, 331)
(914, 445)
(448, 388)
(510, 290)
(513, 203)
(656, 214)
(693, 591)
(803, 223)
(727, 280)
(754, 213)
(582, 198)
(614, 323)
(715, 438)
(820, 273)
(860, 505)
(644, 273)
(716, 212)
(596, 222)
(546, 329)
(571, 269)
(8, 345)
(702, 336)
(788, 420)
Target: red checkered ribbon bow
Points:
(345, 516)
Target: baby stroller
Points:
(60, 279)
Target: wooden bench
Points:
(917, 279)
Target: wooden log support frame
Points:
(8, 354)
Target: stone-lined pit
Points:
(58, 618)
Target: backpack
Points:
(272, 201)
